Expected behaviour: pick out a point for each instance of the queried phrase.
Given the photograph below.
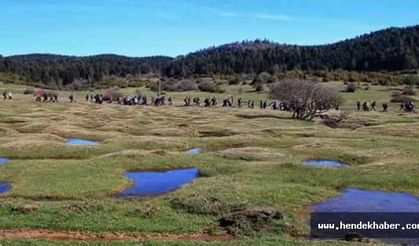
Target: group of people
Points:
(44, 96)
(371, 106)
(408, 106)
(239, 103)
(128, 100)
(7, 95)
(188, 101)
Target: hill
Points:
(391, 49)
(59, 71)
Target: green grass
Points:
(252, 159)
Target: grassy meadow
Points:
(252, 160)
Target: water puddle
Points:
(355, 200)
(194, 151)
(4, 188)
(324, 163)
(4, 161)
(81, 142)
(148, 184)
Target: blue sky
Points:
(175, 27)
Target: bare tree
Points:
(305, 99)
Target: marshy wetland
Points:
(251, 166)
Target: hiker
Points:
(286, 106)
(251, 104)
(213, 102)
(230, 101)
(374, 106)
(385, 107)
(265, 104)
(7, 95)
(169, 100)
(72, 98)
(409, 107)
(196, 101)
(365, 106)
(225, 102)
(207, 102)
(97, 98)
(275, 105)
(38, 96)
(187, 101)
(55, 98)
(45, 97)
(358, 105)
(239, 102)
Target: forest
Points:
(389, 50)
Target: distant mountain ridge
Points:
(390, 49)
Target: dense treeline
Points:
(60, 71)
(392, 49)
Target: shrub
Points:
(207, 86)
(234, 81)
(334, 120)
(397, 97)
(409, 91)
(185, 85)
(259, 87)
(29, 91)
(411, 80)
(113, 94)
(309, 98)
(350, 87)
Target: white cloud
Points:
(273, 17)
(264, 16)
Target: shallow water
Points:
(4, 161)
(148, 184)
(194, 151)
(354, 200)
(324, 163)
(4, 188)
(77, 141)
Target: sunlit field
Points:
(251, 161)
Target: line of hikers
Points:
(128, 100)
(229, 102)
(368, 106)
(44, 96)
(408, 106)
(188, 101)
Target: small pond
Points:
(4, 161)
(77, 141)
(324, 163)
(194, 151)
(4, 188)
(148, 184)
(354, 200)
